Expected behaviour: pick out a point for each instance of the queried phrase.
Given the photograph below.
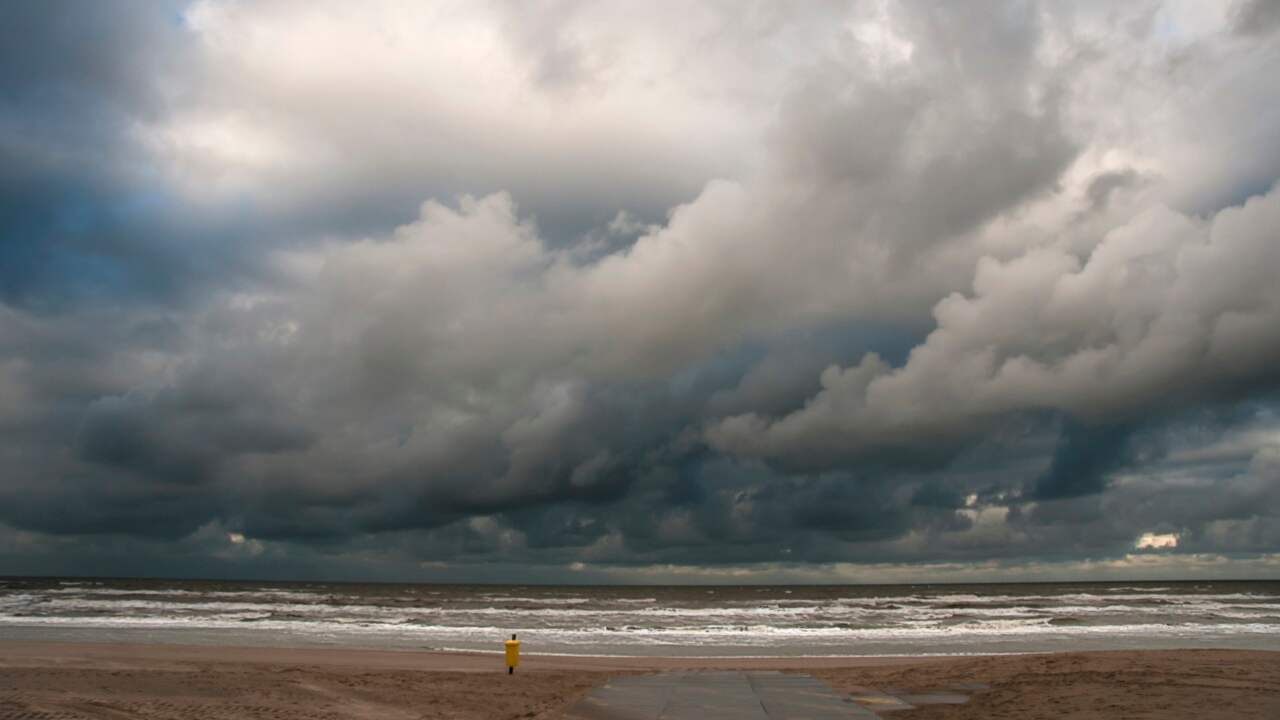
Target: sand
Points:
(54, 681)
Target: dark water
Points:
(708, 621)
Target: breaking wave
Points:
(723, 620)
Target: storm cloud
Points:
(846, 291)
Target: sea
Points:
(695, 621)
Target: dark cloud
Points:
(98, 502)
(1085, 456)
(78, 217)
(182, 436)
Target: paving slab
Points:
(716, 696)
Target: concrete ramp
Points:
(716, 696)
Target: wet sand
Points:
(176, 682)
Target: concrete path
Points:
(716, 696)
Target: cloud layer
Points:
(434, 290)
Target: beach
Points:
(176, 682)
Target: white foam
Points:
(701, 634)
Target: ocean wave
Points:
(537, 600)
(650, 620)
(943, 598)
(176, 592)
(724, 633)
(663, 620)
(611, 612)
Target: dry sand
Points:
(53, 681)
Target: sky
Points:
(557, 291)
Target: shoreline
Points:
(12, 653)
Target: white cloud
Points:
(1156, 541)
(1164, 303)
